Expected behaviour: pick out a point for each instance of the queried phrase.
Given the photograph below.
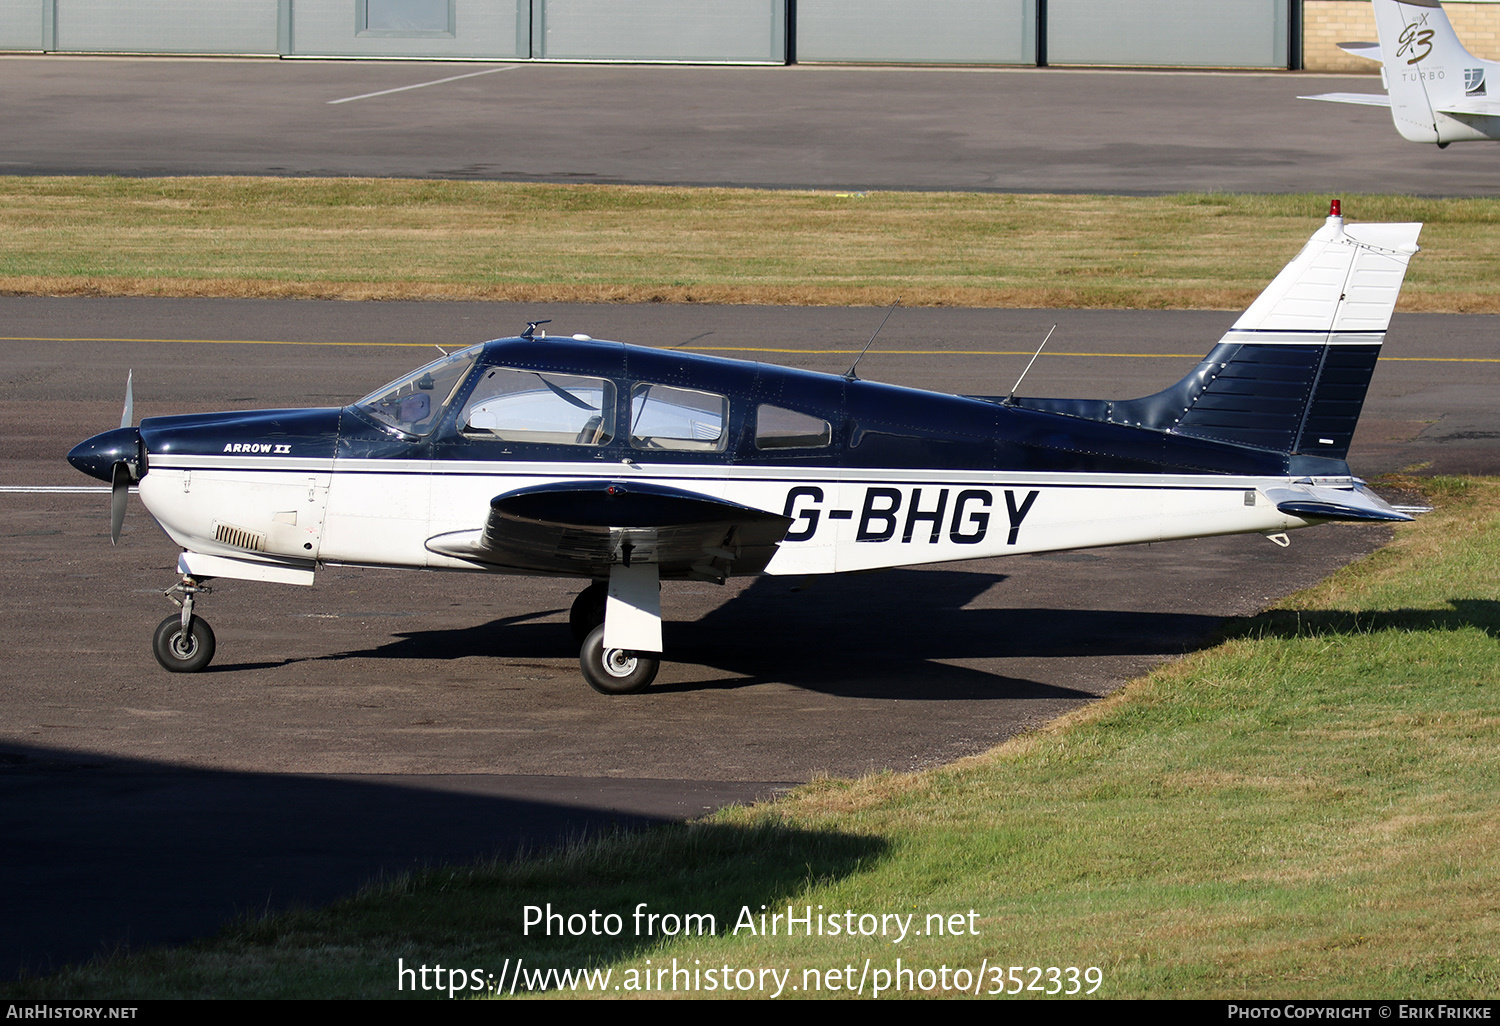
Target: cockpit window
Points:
(683, 419)
(414, 404)
(513, 405)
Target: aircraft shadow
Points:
(119, 854)
(1479, 614)
(898, 634)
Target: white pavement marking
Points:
(58, 489)
(420, 85)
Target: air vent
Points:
(228, 534)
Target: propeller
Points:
(117, 456)
(122, 473)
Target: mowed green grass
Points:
(1307, 809)
(404, 239)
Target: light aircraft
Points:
(625, 466)
(1436, 90)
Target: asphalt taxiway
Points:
(383, 719)
(969, 129)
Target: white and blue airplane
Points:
(1436, 90)
(626, 466)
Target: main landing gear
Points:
(615, 671)
(631, 600)
(184, 643)
(626, 664)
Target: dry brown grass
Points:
(398, 239)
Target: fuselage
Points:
(871, 475)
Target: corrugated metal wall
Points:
(495, 29)
(1188, 33)
(673, 30)
(21, 25)
(935, 31)
(1171, 33)
(165, 26)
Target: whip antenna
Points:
(1010, 400)
(850, 375)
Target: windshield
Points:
(415, 403)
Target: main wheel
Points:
(183, 651)
(615, 671)
(588, 610)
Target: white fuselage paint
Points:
(382, 512)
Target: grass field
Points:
(403, 239)
(1305, 810)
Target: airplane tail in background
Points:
(1291, 374)
(1437, 91)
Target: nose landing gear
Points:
(184, 643)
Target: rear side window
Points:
(779, 428)
(678, 419)
(511, 405)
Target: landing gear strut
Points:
(619, 623)
(184, 643)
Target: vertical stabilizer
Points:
(1290, 376)
(1438, 90)
(1292, 372)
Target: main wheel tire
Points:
(615, 671)
(588, 610)
(183, 651)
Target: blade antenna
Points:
(850, 375)
(1010, 400)
(127, 418)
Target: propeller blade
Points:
(119, 494)
(127, 419)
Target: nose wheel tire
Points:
(183, 651)
(615, 671)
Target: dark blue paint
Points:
(1247, 409)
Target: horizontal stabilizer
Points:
(1316, 502)
(1472, 108)
(1369, 51)
(584, 528)
(1367, 99)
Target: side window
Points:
(778, 428)
(680, 419)
(538, 406)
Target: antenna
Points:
(850, 375)
(1010, 400)
(531, 327)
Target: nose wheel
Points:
(183, 650)
(184, 643)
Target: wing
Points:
(583, 528)
(1368, 99)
